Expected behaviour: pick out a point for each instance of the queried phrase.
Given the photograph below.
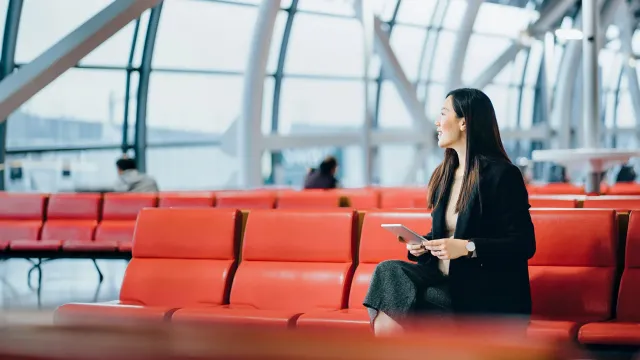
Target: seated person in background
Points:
(626, 174)
(558, 174)
(324, 177)
(130, 180)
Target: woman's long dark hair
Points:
(483, 141)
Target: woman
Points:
(324, 177)
(474, 260)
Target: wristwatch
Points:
(471, 248)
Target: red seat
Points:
(119, 231)
(573, 271)
(625, 329)
(624, 188)
(403, 198)
(181, 258)
(71, 222)
(292, 262)
(376, 245)
(553, 201)
(361, 198)
(246, 200)
(308, 199)
(186, 199)
(620, 203)
(20, 217)
(119, 214)
(557, 189)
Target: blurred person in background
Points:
(475, 259)
(626, 174)
(131, 180)
(324, 177)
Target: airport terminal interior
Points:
(231, 162)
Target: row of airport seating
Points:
(311, 269)
(93, 224)
(622, 188)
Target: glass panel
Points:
(610, 97)
(81, 107)
(325, 46)
(417, 12)
(407, 43)
(394, 161)
(610, 66)
(115, 51)
(393, 113)
(142, 34)
(310, 105)
(203, 41)
(297, 162)
(483, 51)
(500, 97)
(41, 25)
(4, 6)
(335, 7)
(526, 111)
(202, 113)
(455, 12)
(444, 54)
(625, 111)
(535, 61)
(512, 21)
(267, 104)
(205, 168)
(276, 42)
(42, 172)
(435, 99)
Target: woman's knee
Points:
(389, 265)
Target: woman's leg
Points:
(383, 325)
(395, 292)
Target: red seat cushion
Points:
(19, 230)
(109, 312)
(31, 245)
(613, 202)
(237, 316)
(97, 246)
(610, 333)
(120, 232)
(353, 319)
(125, 246)
(553, 201)
(553, 329)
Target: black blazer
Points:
(497, 220)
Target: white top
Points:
(451, 218)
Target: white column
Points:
(21, 85)
(249, 131)
(590, 90)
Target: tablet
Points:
(409, 236)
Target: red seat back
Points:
(186, 199)
(15, 207)
(296, 260)
(246, 200)
(74, 207)
(182, 257)
(126, 206)
(553, 201)
(308, 199)
(629, 293)
(378, 244)
(361, 198)
(621, 202)
(403, 198)
(557, 189)
(21, 216)
(630, 188)
(572, 273)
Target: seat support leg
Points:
(100, 276)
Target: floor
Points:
(63, 281)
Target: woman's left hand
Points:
(447, 249)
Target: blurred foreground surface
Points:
(109, 340)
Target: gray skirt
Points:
(401, 289)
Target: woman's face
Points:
(451, 128)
